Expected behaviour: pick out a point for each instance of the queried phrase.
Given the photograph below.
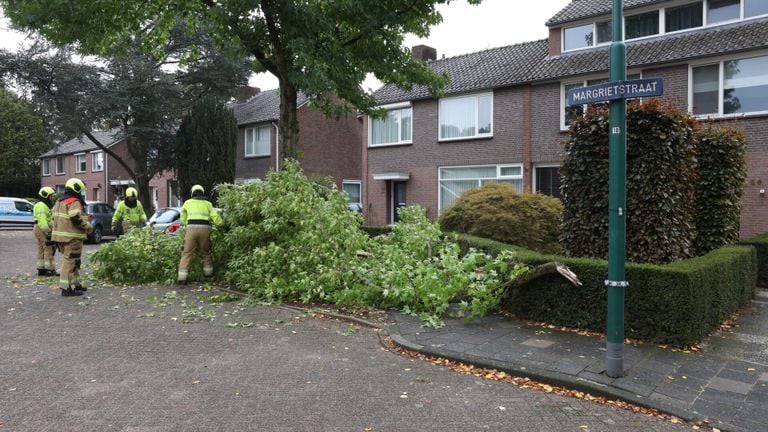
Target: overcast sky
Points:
(465, 29)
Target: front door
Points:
(398, 199)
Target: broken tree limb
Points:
(543, 270)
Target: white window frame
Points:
(720, 61)
(662, 23)
(388, 108)
(94, 155)
(477, 97)
(534, 178)
(245, 142)
(498, 177)
(583, 81)
(46, 166)
(77, 163)
(359, 184)
(63, 165)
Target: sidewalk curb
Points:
(554, 378)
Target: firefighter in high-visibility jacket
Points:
(130, 211)
(198, 217)
(46, 248)
(70, 228)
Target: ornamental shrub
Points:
(722, 168)
(661, 177)
(496, 211)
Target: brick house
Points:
(327, 147)
(503, 116)
(104, 177)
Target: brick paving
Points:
(725, 384)
(123, 359)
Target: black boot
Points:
(181, 282)
(69, 292)
(42, 272)
(80, 288)
(52, 273)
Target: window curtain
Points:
(646, 24)
(684, 17)
(262, 141)
(385, 131)
(705, 85)
(457, 117)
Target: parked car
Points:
(166, 219)
(16, 213)
(100, 216)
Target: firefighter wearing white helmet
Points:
(198, 216)
(130, 211)
(43, 227)
(70, 228)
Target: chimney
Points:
(245, 93)
(424, 53)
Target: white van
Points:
(16, 213)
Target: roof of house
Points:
(530, 62)
(84, 144)
(263, 107)
(580, 9)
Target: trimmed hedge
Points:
(676, 303)
(760, 243)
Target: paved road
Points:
(123, 359)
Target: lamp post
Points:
(617, 203)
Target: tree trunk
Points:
(289, 125)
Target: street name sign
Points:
(626, 89)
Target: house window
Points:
(466, 117)
(97, 161)
(578, 37)
(755, 8)
(352, 189)
(257, 141)
(684, 17)
(723, 10)
(604, 32)
(80, 163)
(744, 87)
(395, 128)
(571, 113)
(59, 165)
(46, 167)
(641, 25)
(547, 180)
(453, 181)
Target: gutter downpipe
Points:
(277, 146)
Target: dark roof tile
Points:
(580, 9)
(263, 107)
(84, 144)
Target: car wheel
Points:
(96, 234)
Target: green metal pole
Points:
(617, 203)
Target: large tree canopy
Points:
(133, 91)
(321, 47)
(22, 140)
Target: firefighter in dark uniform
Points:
(70, 229)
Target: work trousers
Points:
(196, 237)
(44, 253)
(71, 252)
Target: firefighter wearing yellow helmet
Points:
(43, 227)
(198, 216)
(70, 228)
(130, 211)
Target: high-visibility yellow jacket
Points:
(128, 214)
(70, 221)
(199, 211)
(43, 216)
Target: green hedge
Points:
(760, 243)
(677, 303)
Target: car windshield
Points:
(167, 216)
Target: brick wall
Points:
(547, 139)
(253, 167)
(555, 42)
(675, 84)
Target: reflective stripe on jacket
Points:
(70, 221)
(135, 214)
(43, 216)
(199, 210)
